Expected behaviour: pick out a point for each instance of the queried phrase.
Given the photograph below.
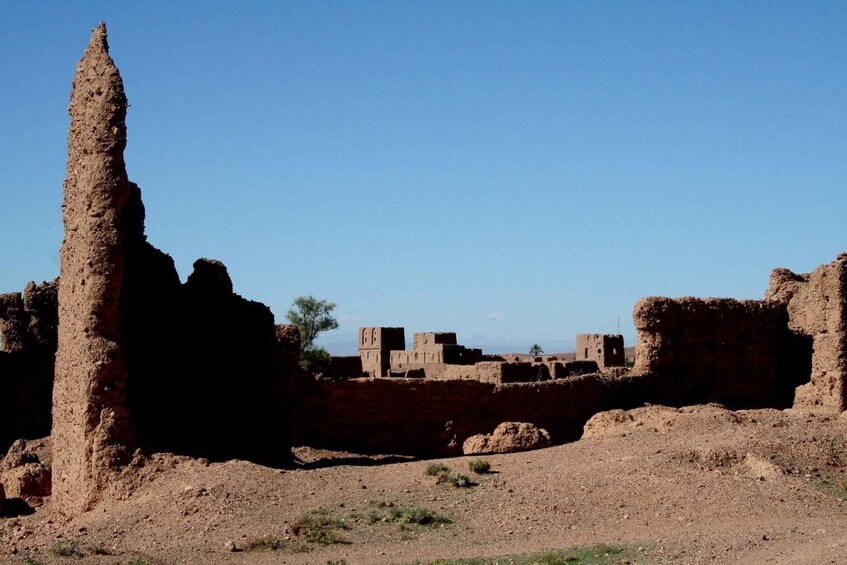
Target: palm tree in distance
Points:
(535, 350)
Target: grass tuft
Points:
(264, 542)
(417, 516)
(479, 466)
(318, 526)
(66, 549)
(437, 468)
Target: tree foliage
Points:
(535, 350)
(312, 316)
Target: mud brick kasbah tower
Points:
(91, 431)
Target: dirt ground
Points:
(693, 485)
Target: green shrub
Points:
(264, 542)
(66, 549)
(456, 479)
(417, 516)
(436, 468)
(318, 526)
(479, 466)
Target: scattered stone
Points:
(508, 437)
(28, 480)
(229, 545)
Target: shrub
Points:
(418, 516)
(65, 549)
(456, 479)
(264, 542)
(436, 468)
(318, 526)
(479, 466)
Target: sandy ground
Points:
(694, 485)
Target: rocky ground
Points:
(693, 485)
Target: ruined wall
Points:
(142, 360)
(817, 307)
(28, 325)
(607, 350)
(424, 417)
(92, 433)
(346, 367)
(181, 389)
(737, 353)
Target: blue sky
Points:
(512, 171)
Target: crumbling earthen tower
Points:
(91, 431)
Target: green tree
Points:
(312, 316)
(535, 350)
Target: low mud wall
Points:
(422, 417)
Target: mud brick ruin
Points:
(375, 346)
(119, 358)
(143, 361)
(604, 349)
(438, 356)
(28, 336)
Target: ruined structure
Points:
(431, 350)
(817, 308)
(375, 345)
(91, 426)
(737, 353)
(604, 349)
(28, 326)
(144, 361)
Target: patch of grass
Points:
(99, 550)
(594, 555)
(30, 560)
(136, 561)
(436, 469)
(300, 546)
(339, 562)
(371, 517)
(318, 526)
(456, 479)
(264, 542)
(479, 466)
(418, 516)
(66, 549)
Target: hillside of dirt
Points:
(691, 485)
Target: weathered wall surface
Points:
(737, 353)
(435, 417)
(142, 360)
(28, 324)
(92, 433)
(817, 307)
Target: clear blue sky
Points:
(505, 170)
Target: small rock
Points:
(229, 545)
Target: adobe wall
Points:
(143, 360)
(346, 367)
(737, 353)
(429, 417)
(28, 325)
(817, 307)
(92, 434)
